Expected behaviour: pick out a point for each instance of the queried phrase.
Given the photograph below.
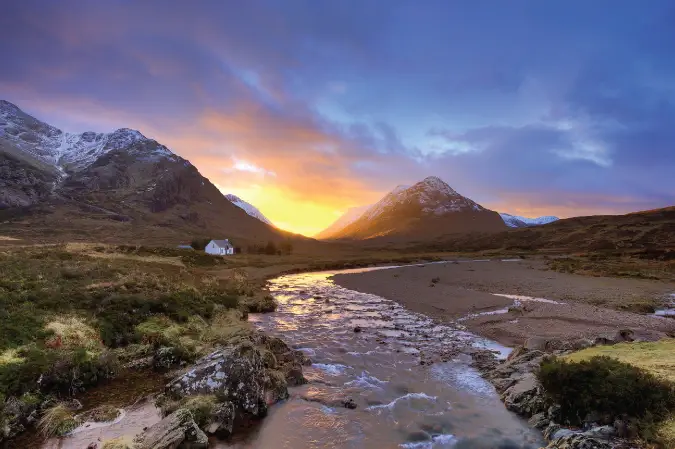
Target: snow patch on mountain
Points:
(516, 221)
(248, 208)
(432, 193)
(69, 151)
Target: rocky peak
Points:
(437, 184)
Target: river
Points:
(408, 376)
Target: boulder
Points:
(539, 420)
(178, 430)
(581, 441)
(222, 420)
(235, 374)
(525, 397)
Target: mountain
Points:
(248, 208)
(346, 219)
(109, 186)
(516, 221)
(428, 209)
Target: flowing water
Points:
(400, 402)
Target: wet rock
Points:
(602, 432)
(539, 420)
(581, 441)
(526, 396)
(560, 433)
(178, 430)
(349, 403)
(294, 376)
(418, 437)
(235, 374)
(276, 387)
(222, 420)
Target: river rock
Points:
(539, 420)
(178, 430)
(581, 441)
(526, 396)
(222, 420)
(235, 374)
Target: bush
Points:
(200, 243)
(606, 386)
(62, 372)
(57, 421)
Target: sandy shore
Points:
(455, 290)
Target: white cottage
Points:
(219, 248)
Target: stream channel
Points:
(400, 403)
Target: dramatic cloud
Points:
(306, 108)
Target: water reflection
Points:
(400, 401)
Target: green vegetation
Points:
(656, 357)
(201, 407)
(57, 421)
(608, 389)
(103, 413)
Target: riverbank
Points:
(579, 307)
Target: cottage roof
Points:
(222, 243)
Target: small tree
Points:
(271, 248)
(200, 243)
(286, 247)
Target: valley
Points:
(398, 311)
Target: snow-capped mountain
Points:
(117, 177)
(428, 208)
(516, 221)
(345, 220)
(67, 151)
(248, 208)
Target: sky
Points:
(305, 108)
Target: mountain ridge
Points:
(248, 208)
(516, 221)
(121, 184)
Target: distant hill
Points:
(109, 186)
(516, 221)
(648, 233)
(427, 209)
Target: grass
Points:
(102, 413)
(656, 358)
(57, 421)
(614, 265)
(201, 407)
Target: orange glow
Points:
(300, 217)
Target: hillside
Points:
(349, 217)
(119, 186)
(427, 209)
(648, 234)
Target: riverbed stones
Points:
(178, 430)
(236, 374)
(580, 441)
